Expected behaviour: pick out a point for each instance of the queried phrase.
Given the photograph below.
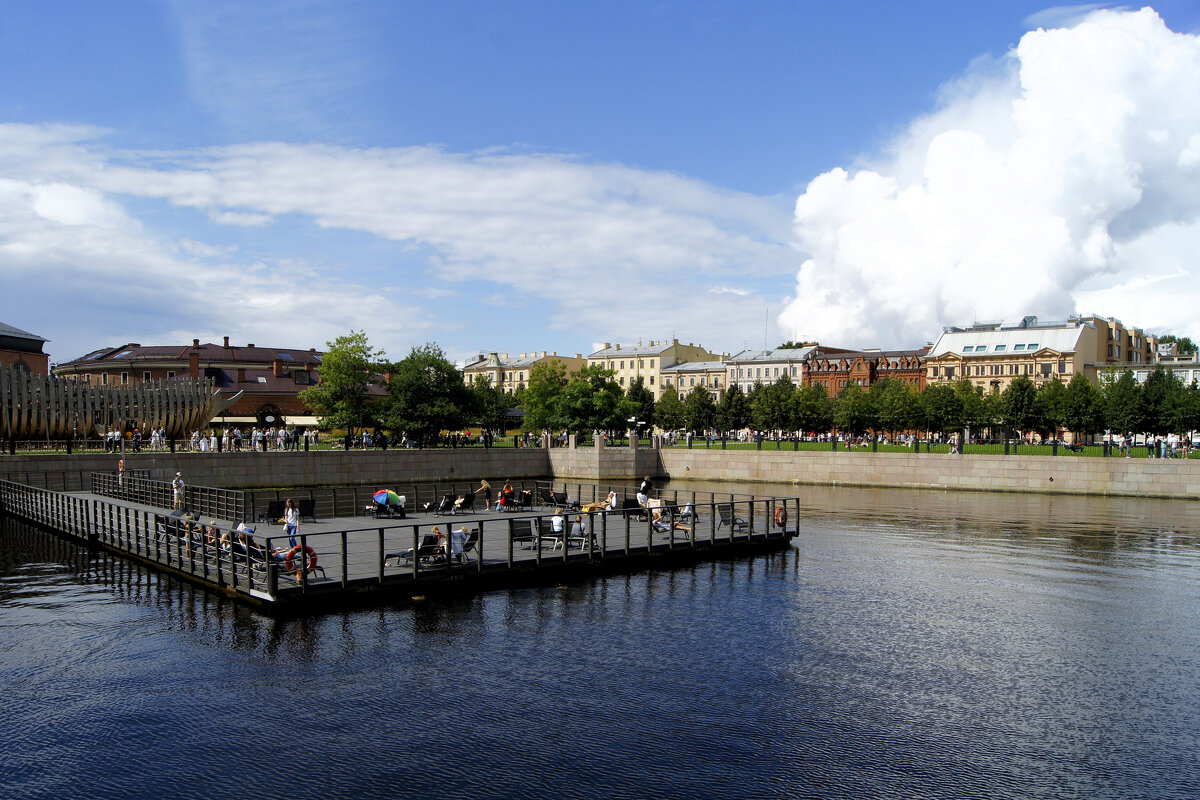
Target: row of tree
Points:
(424, 394)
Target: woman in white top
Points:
(291, 522)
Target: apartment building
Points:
(512, 374)
(628, 362)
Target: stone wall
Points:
(1051, 474)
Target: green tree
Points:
(1122, 402)
(426, 395)
(540, 402)
(1161, 395)
(643, 402)
(772, 407)
(733, 413)
(669, 413)
(897, 405)
(942, 407)
(1183, 344)
(1018, 405)
(855, 411)
(491, 404)
(812, 409)
(1051, 406)
(592, 400)
(1083, 407)
(349, 368)
(970, 398)
(699, 410)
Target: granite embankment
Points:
(1024, 473)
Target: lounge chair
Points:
(445, 506)
(545, 497)
(308, 509)
(465, 503)
(429, 549)
(630, 506)
(521, 530)
(727, 517)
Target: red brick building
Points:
(270, 378)
(22, 350)
(836, 371)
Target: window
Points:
(651, 380)
(1000, 348)
(612, 365)
(968, 349)
(1018, 347)
(104, 379)
(692, 382)
(758, 371)
(622, 380)
(124, 378)
(652, 363)
(170, 374)
(982, 348)
(1033, 346)
(622, 365)
(935, 371)
(302, 377)
(640, 364)
(1062, 366)
(1046, 370)
(716, 383)
(146, 375)
(949, 372)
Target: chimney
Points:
(277, 368)
(226, 342)
(241, 375)
(194, 364)
(195, 342)
(250, 346)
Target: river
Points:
(911, 644)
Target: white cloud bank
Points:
(1063, 179)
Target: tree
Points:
(699, 410)
(897, 405)
(790, 345)
(942, 407)
(1083, 407)
(669, 412)
(426, 395)
(491, 404)
(1018, 405)
(592, 400)
(1161, 394)
(1184, 345)
(349, 368)
(812, 409)
(971, 402)
(733, 413)
(1050, 405)
(643, 402)
(772, 407)
(547, 380)
(1122, 402)
(855, 411)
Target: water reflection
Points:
(911, 644)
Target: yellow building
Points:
(687, 376)
(512, 374)
(991, 354)
(628, 362)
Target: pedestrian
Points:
(121, 472)
(177, 491)
(291, 522)
(486, 489)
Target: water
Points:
(911, 644)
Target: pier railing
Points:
(206, 501)
(266, 565)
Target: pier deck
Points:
(355, 556)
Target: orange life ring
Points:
(290, 558)
(781, 516)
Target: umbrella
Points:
(386, 497)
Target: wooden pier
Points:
(365, 559)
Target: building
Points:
(835, 370)
(687, 376)
(992, 354)
(749, 367)
(512, 374)
(22, 351)
(629, 362)
(270, 378)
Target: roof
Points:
(1063, 338)
(133, 353)
(695, 366)
(652, 348)
(777, 354)
(17, 333)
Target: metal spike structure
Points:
(44, 406)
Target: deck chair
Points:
(428, 549)
(561, 499)
(546, 532)
(630, 506)
(308, 510)
(727, 517)
(273, 513)
(546, 497)
(468, 547)
(522, 531)
(580, 537)
(445, 506)
(465, 503)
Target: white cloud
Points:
(1040, 182)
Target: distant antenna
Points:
(766, 316)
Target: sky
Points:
(528, 176)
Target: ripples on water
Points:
(912, 644)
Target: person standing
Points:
(177, 491)
(643, 492)
(121, 472)
(291, 523)
(486, 489)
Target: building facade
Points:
(834, 371)
(629, 362)
(512, 374)
(270, 378)
(22, 351)
(749, 367)
(687, 376)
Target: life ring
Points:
(290, 558)
(781, 516)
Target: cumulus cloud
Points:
(1042, 184)
(590, 250)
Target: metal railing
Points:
(206, 501)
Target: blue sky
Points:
(549, 176)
